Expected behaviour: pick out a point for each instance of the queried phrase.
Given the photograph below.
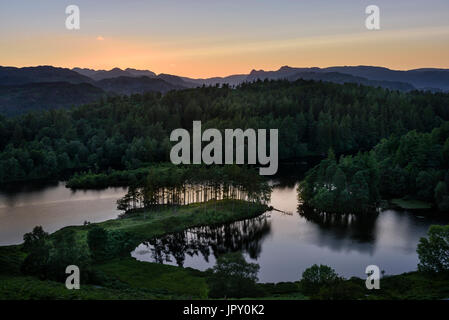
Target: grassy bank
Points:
(411, 204)
(163, 280)
(145, 224)
(126, 278)
(31, 288)
(412, 286)
(11, 258)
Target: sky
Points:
(205, 38)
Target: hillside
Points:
(337, 77)
(19, 99)
(19, 95)
(46, 87)
(425, 79)
(18, 76)
(113, 73)
(127, 132)
(130, 85)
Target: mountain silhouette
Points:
(18, 76)
(424, 79)
(130, 85)
(19, 99)
(432, 79)
(48, 87)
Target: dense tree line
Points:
(172, 185)
(415, 165)
(348, 185)
(47, 257)
(131, 131)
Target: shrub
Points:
(105, 244)
(316, 277)
(66, 251)
(341, 290)
(48, 259)
(34, 239)
(285, 287)
(433, 252)
(233, 277)
(97, 240)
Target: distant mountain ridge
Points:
(47, 87)
(18, 76)
(19, 99)
(434, 79)
(32, 88)
(131, 85)
(232, 80)
(113, 73)
(426, 78)
(341, 78)
(98, 75)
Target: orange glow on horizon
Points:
(396, 49)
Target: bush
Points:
(233, 277)
(97, 240)
(434, 252)
(105, 245)
(341, 290)
(36, 262)
(64, 252)
(285, 287)
(38, 249)
(316, 277)
(34, 239)
(48, 259)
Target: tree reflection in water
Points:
(361, 227)
(245, 235)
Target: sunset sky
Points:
(204, 38)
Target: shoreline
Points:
(149, 280)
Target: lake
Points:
(283, 244)
(52, 206)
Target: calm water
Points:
(52, 206)
(283, 245)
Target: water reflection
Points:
(246, 235)
(288, 175)
(285, 245)
(52, 206)
(360, 227)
